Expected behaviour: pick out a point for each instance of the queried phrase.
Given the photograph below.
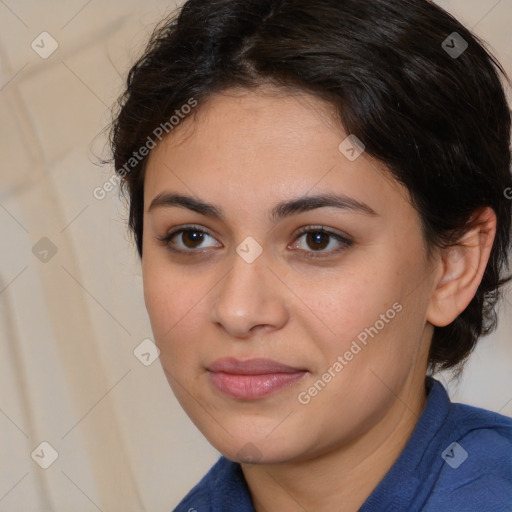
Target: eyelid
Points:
(320, 228)
(345, 241)
(166, 239)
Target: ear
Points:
(463, 266)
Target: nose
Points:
(249, 299)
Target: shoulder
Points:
(476, 472)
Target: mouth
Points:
(252, 379)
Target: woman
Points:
(318, 193)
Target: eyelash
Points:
(345, 243)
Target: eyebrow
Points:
(280, 211)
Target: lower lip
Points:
(252, 387)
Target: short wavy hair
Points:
(437, 119)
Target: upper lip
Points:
(256, 366)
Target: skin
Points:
(245, 152)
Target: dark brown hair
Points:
(431, 110)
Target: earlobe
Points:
(463, 266)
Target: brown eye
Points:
(317, 240)
(187, 240)
(191, 238)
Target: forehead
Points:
(263, 143)
(264, 114)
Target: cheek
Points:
(156, 298)
(372, 322)
(344, 306)
(174, 313)
(176, 309)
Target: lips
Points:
(251, 366)
(253, 378)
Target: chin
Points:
(256, 449)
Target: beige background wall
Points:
(71, 305)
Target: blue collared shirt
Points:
(458, 459)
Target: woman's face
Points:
(345, 309)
